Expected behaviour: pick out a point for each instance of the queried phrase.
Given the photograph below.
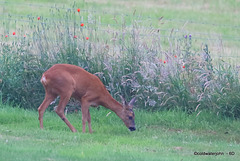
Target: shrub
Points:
(126, 60)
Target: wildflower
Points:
(87, 38)
(175, 56)
(164, 61)
(190, 36)
(6, 36)
(185, 36)
(14, 33)
(82, 24)
(24, 36)
(183, 66)
(78, 9)
(38, 18)
(75, 36)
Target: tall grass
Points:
(131, 61)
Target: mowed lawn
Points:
(159, 136)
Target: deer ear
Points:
(131, 103)
(124, 103)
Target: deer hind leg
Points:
(41, 109)
(60, 110)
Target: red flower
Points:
(87, 38)
(183, 66)
(38, 18)
(14, 33)
(164, 61)
(6, 36)
(24, 35)
(82, 24)
(78, 9)
(175, 56)
(75, 36)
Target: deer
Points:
(66, 81)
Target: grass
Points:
(209, 17)
(213, 22)
(127, 51)
(131, 58)
(166, 135)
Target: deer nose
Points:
(132, 128)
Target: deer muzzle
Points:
(132, 128)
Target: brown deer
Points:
(68, 81)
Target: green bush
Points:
(129, 63)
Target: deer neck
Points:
(113, 105)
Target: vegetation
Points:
(180, 58)
(130, 58)
(167, 135)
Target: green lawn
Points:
(208, 17)
(159, 136)
(212, 22)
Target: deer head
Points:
(127, 115)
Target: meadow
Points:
(168, 135)
(179, 58)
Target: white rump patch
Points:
(43, 80)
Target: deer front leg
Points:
(86, 117)
(89, 122)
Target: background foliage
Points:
(133, 57)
